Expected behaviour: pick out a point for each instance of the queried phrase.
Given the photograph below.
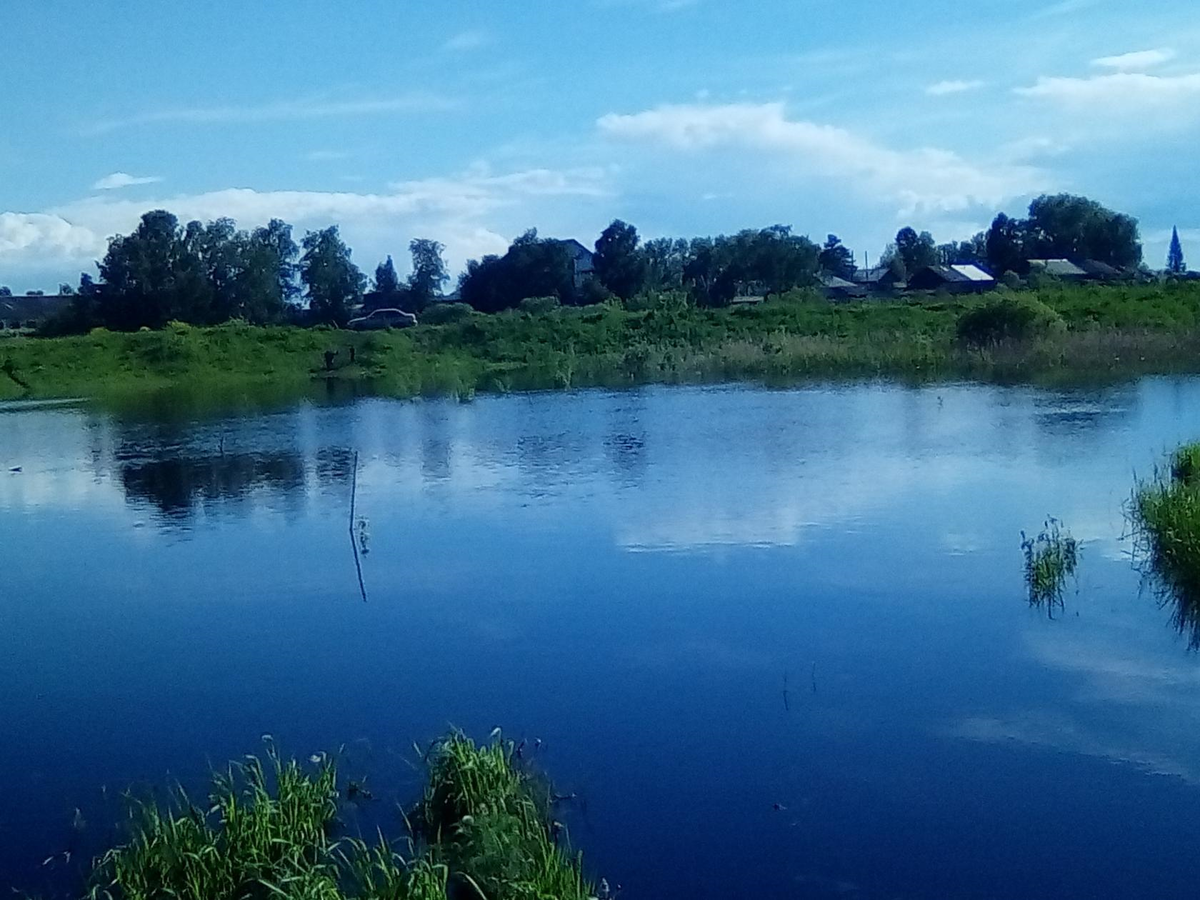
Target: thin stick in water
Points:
(362, 588)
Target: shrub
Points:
(538, 306)
(660, 300)
(445, 313)
(1011, 280)
(592, 292)
(1010, 318)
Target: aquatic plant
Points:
(1165, 518)
(1050, 559)
(492, 824)
(484, 828)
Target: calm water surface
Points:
(633, 578)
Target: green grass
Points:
(483, 829)
(1050, 559)
(1055, 333)
(1165, 515)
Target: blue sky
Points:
(470, 121)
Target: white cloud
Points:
(920, 180)
(1121, 92)
(40, 236)
(119, 180)
(943, 88)
(1138, 59)
(321, 107)
(468, 40)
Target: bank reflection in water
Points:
(179, 486)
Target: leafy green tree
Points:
(665, 258)
(429, 273)
(1175, 261)
(267, 278)
(334, 283)
(532, 267)
(916, 251)
(1067, 226)
(774, 260)
(387, 282)
(153, 276)
(836, 258)
(1005, 245)
(709, 272)
(972, 252)
(619, 264)
(5, 290)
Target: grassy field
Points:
(1077, 333)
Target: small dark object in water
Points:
(565, 798)
(778, 807)
(15, 469)
(356, 792)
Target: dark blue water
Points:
(633, 578)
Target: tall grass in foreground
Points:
(270, 832)
(1165, 514)
(1050, 559)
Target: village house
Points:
(839, 290)
(878, 280)
(959, 279)
(583, 261)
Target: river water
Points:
(776, 641)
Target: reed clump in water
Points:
(483, 829)
(1165, 514)
(1050, 559)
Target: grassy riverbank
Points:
(1097, 332)
(484, 828)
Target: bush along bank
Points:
(1057, 332)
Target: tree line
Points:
(210, 273)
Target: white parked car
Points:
(383, 318)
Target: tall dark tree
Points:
(1175, 262)
(916, 251)
(1005, 246)
(267, 278)
(429, 273)
(665, 258)
(619, 263)
(532, 267)
(387, 282)
(153, 276)
(709, 272)
(774, 260)
(334, 282)
(836, 258)
(1071, 227)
